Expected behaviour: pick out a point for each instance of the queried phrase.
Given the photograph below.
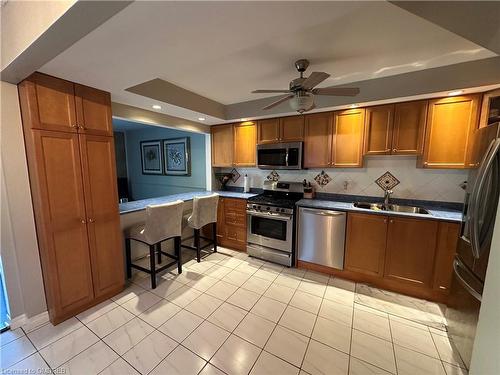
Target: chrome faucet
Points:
(387, 196)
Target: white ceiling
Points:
(224, 50)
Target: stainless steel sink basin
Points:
(391, 208)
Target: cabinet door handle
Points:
(74, 126)
(83, 221)
(91, 220)
(394, 150)
(385, 220)
(391, 221)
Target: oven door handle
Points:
(270, 215)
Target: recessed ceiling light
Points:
(354, 106)
(156, 106)
(243, 119)
(201, 118)
(456, 92)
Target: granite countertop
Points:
(434, 212)
(139, 205)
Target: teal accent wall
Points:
(149, 186)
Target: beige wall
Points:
(485, 356)
(35, 18)
(20, 241)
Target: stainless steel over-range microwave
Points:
(280, 156)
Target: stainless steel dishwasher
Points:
(321, 237)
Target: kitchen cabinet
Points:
(378, 129)
(75, 200)
(490, 108)
(292, 129)
(451, 123)
(245, 136)
(347, 147)
(231, 223)
(268, 131)
(395, 129)
(52, 103)
(283, 129)
(409, 127)
(366, 243)
(447, 237)
(411, 246)
(407, 255)
(222, 145)
(318, 140)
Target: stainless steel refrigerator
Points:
(471, 259)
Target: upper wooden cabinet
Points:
(284, 129)
(409, 127)
(318, 140)
(396, 129)
(245, 135)
(268, 131)
(365, 243)
(411, 247)
(378, 129)
(292, 129)
(347, 146)
(51, 103)
(451, 123)
(490, 108)
(222, 145)
(93, 110)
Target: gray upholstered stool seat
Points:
(204, 213)
(163, 222)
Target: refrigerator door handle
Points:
(476, 194)
(457, 267)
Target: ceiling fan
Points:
(302, 91)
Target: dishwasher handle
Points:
(323, 213)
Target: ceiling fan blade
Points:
(336, 91)
(279, 101)
(314, 79)
(270, 91)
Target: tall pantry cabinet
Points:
(70, 150)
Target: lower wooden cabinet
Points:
(407, 255)
(365, 243)
(410, 251)
(231, 224)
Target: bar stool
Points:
(204, 213)
(163, 222)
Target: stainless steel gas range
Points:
(271, 222)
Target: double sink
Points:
(391, 208)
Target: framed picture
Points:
(151, 157)
(177, 153)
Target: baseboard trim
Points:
(30, 324)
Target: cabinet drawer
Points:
(235, 205)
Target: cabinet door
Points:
(61, 222)
(222, 145)
(221, 225)
(48, 103)
(445, 252)
(450, 126)
(93, 111)
(318, 140)
(292, 129)
(347, 145)
(411, 245)
(379, 122)
(101, 201)
(490, 108)
(245, 136)
(366, 243)
(268, 131)
(409, 127)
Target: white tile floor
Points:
(235, 315)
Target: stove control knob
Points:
(282, 210)
(258, 207)
(268, 208)
(254, 206)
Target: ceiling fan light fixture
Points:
(302, 102)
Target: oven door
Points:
(270, 230)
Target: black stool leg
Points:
(177, 245)
(158, 252)
(152, 265)
(214, 234)
(128, 256)
(197, 244)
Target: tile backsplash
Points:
(415, 183)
